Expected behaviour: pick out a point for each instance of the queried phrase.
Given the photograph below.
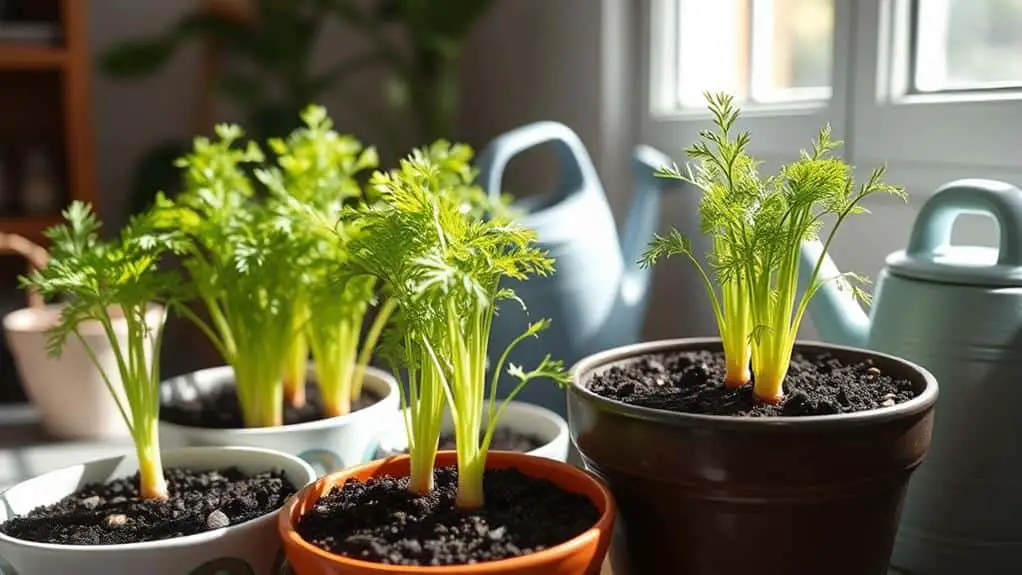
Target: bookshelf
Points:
(45, 106)
(45, 113)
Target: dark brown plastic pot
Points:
(714, 495)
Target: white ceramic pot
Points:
(68, 391)
(250, 548)
(329, 444)
(521, 417)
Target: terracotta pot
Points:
(715, 495)
(582, 555)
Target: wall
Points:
(129, 117)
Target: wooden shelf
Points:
(25, 56)
(31, 227)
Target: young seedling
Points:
(240, 260)
(727, 176)
(312, 186)
(444, 263)
(765, 223)
(792, 210)
(103, 280)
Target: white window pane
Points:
(968, 44)
(757, 50)
(792, 50)
(713, 49)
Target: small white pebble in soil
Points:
(217, 519)
(115, 520)
(498, 533)
(91, 502)
(873, 371)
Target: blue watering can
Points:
(957, 311)
(596, 299)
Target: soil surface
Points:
(503, 440)
(219, 410)
(381, 521)
(693, 382)
(111, 513)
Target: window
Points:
(931, 87)
(967, 46)
(762, 51)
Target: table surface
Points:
(26, 450)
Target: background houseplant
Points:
(822, 442)
(272, 79)
(443, 264)
(54, 522)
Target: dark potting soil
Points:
(112, 513)
(503, 440)
(381, 521)
(219, 410)
(693, 382)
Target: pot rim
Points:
(513, 406)
(272, 457)
(154, 312)
(921, 403)
(386, 380)
(604, 523)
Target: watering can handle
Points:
(932, 229)
(36, 256)
(577, 167)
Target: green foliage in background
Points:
(416, 42)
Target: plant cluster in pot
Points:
(439, 249)
(755, 452)
(195, 511)
(273, 289)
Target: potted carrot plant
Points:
(523, 427)
(156, 512)
(489, 511)
(316, 171)
(259, 278)
(313, 184)
(763, 453)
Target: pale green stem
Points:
(372, 337)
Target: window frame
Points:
(925, 139)
(893, 123)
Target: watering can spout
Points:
(836, 314)
(642, 220)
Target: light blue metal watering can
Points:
(596, 299)
(956, 310)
